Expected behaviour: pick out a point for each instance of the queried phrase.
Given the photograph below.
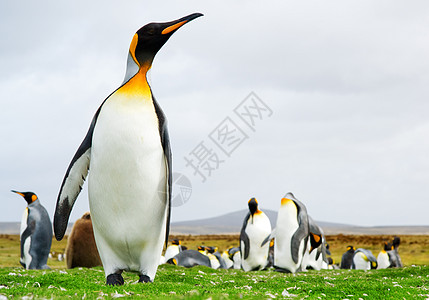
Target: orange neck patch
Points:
(137, 86)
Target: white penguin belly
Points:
(361, 261)
(257, 232)
(26, 257)
(236, 258)
(287, 225)
(127, 186)
(383, 260)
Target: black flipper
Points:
(73, 181)
(302, 232)
(269, 237)
(245, 238)
(165, 141)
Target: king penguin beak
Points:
(19, 193)
(172, 26)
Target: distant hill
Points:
(10, 227)
(231, 224)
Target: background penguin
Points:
(315, 253)
(389, 257)
(290, 235)
(363, 259)
(235, 256)
(347, 258)
(221, 263)
(36, 233)
(216, 260)
(81, 250)
(203, 249)
(384, 260)
(227, 259)
(128, 151)
(256, 227)
(332, 265)
(327, 252)
(397, 262)
(172, 250)
(189, 259)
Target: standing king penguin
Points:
(256, 227)
(172, 250)
(36, 233)
(127, 153)
(347, 258)
(290, 235)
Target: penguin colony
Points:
(296, 244)
(126, 153)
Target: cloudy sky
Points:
(340, 101)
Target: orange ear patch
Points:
(285, 200)
(33, 198)
(133, 48)
(316, 237)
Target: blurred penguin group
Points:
(296, 244)
(363, 259)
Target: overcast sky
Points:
(340, 89)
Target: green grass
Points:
(411, 282)
(203, 283)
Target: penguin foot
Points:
(281, 270)
(144, 278)
(115, 279)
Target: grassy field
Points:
(205, 283)
(411, 282)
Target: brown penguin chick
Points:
(81, 250)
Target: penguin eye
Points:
(150, 31)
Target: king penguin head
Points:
(253, 206)
(148, 40)
(30, 197)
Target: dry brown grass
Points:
(414, 249)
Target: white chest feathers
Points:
(257, 229)
(287, 225)
(127, 183)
